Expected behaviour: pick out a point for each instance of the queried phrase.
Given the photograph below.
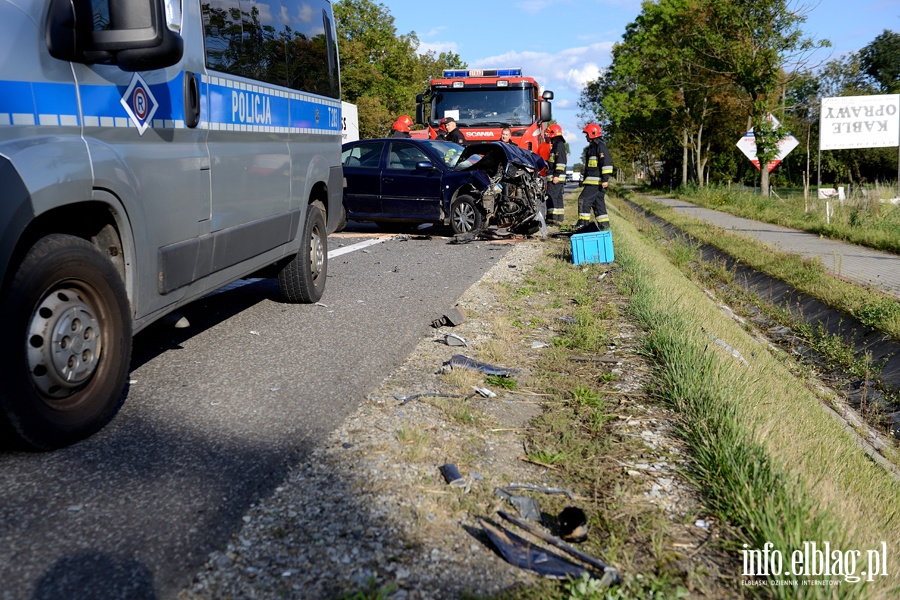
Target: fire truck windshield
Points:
(484, 107)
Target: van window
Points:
(284, 42)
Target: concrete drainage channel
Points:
(883, 349)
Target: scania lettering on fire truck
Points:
(483, 102)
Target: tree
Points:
(750, 42)
(880, 60)
(380, 70)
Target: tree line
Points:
(691, 76)
(381, 71)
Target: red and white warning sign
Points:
(747, 145)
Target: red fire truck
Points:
(484, 101)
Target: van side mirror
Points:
(132, 35)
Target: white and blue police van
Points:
(151, 151)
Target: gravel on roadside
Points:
(370, 510)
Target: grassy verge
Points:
(863, 221)
(769, 459)
(872, 308)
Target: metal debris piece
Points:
(484, 392)
(523, 554)
(453, 317)
(452, 475)
(451, 339)
(527, 507)
(537, 345)
(610, 574)
(458, 361)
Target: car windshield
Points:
(449, 152)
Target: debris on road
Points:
(610, 574)
(458, 361)
(452, 475)
(451, 339)
(572, 524)
(525, 555)
(453, 317)
(484, 392)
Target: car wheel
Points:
(303, 278)
(65, 364)
(342, 221)
(465, 216)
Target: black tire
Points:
(303, 279)
(59, 388)
(342, 220)
(465, 216)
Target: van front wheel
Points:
(65, 363)
(303, 278)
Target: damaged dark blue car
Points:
(415, 181)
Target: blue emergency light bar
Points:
(516, 72)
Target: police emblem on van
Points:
(139, 103)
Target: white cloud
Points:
(568, 70)
(566, 73)
(437, 47)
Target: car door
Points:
(362, 170)
(407, 190)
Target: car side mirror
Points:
(424, 166)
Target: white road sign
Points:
(860, 122)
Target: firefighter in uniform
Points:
(556, 175)
(595, 179)
(453, 132)
(401, 127)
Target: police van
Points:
(151, 151)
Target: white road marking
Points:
(355, 247)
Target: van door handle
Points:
(191, 99)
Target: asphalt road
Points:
(215, 417)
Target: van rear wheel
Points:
(67, 359)
(303, 278)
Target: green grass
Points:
(871, 307)
(864, 221)
(769, 458)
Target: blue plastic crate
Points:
(592, 247)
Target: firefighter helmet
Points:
(401, 125)
(592, 130)
(405, 119)
(554, 130)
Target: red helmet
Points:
(401, 125)
(553, 131)
(592, 130)
(406, 120)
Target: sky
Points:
(565, 43)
